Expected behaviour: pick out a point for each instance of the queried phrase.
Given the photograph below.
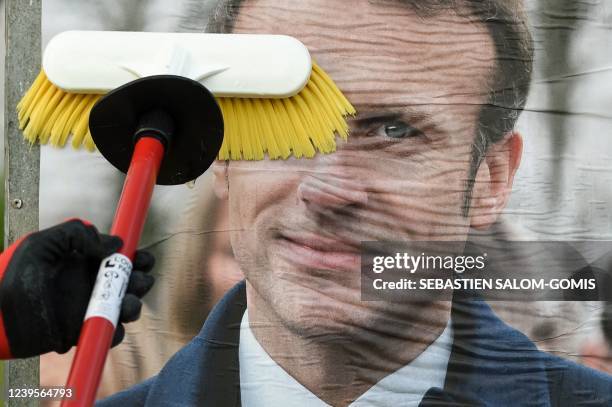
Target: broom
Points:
(275, 101)
(268, 99)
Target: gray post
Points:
(21, 162)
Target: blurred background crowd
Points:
(563, 189)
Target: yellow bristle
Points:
(326, 124)
(232, 141)
(24, 104)
(268, 138)
(284, 149)
(327, 106)
(334, 105)
(43, 108)
(300, 146)
(74, 116)
(303, 146)
(89, 143)
(254, 129)
(81, 128)
(244, 142)
(299, 129)
(59, 134)
(346, 105)
(57, 111)
(227, 125)
(301, 125)
(315, 130)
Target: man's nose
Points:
(330, 192)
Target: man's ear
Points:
(494, 179)
(221, 183)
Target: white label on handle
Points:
(110, 287)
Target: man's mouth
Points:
(315, 251)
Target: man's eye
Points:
(399, 129)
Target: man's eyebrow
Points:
(366, 119)
(416, 117)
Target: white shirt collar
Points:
(263, 383)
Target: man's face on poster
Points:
(418, 84)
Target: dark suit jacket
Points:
(491, 364)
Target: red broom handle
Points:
(97, 332)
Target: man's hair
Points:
(511, 77)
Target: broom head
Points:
(276, 102)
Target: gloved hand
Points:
(47, 283)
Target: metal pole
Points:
(21, 160)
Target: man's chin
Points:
(319, 311)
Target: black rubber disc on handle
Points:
(197, 125)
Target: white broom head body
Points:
(229, 65)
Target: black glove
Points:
(48, 282)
